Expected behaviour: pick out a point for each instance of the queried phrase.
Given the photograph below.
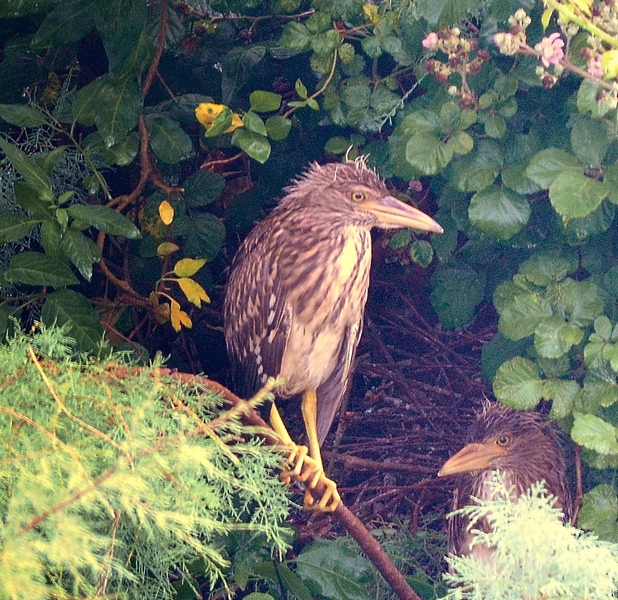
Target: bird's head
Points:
(353, 193)
(509, 440)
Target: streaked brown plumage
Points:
(297, 291)
(523, 445)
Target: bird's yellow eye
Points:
(357, 196)
(503, 440)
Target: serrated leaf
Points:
(187, 267)
(477, 170)
(562, 393)
(255, 145)
(495, 126)
(33, 175)
(598, 512)
(544, 269)
(204, 234)
(203, 187)
(594, 433)
(545, 166)
(572, 194)
(261, 101)
(578, 300)
(427, 153)
(498, 212)
(421, 252)
(517, 384)
(554, 337)
(193, 291)
(75, 312)
(295, 36)
(167, 139)
(14, 227)
(522, 316)
(454, 308)
(104, 219)
(334, 570)
(35, 268)
(590, 141)
(22, 115)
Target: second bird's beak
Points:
(394, 214)
(474, 457)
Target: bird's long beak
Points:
(394, 214)
(474, 457)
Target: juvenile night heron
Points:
(524, 446)
(297, 292)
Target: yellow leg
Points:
(330, 499)
(297, 454)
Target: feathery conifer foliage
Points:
(536, 555)
(110, 484)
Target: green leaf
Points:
(444, 12)
(261, 101)
(587, 102)
(34, 176)
(51, 238)
(421, 252)
(295, 36)
(80, 250)
(554, 337)
(495, 126)
(104, 219)
(371, 46)
(69, 22)
(238, 68)
(334, 571)
(253, 123)
(517, 384)
(593, 432)
(204, 234)
(498, 212)
(203, 187)
(75, 312)
(476, 171)
(514, 177)
(22, 115)
(598, 512)
(119, 104)
(562, 393)
(86, 102)
(427, 153)
(572, 194)
(278, 127)
(522, 316)
(14, 227)
(254, 144)
(545, 166)
(167, 139)
(590, 141)
(454, 308)
(34, 268)
(544, 269)
(580, 301)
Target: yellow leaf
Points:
(188, 266)
(371, 12)
(207, 112)
(166, 212)
(161, 311)
(546, 16)
(179, 317)
(194, 292)
(167, 248)
(609, 62)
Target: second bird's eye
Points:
(503, 440)
(358, 196)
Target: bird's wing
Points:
(256, 320)
(331, 392)
(457, 529)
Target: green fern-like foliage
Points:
(536, 556)
(116, 482)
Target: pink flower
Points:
(431, 41)
(595, 68)
(550, 49)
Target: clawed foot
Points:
(308, 471)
